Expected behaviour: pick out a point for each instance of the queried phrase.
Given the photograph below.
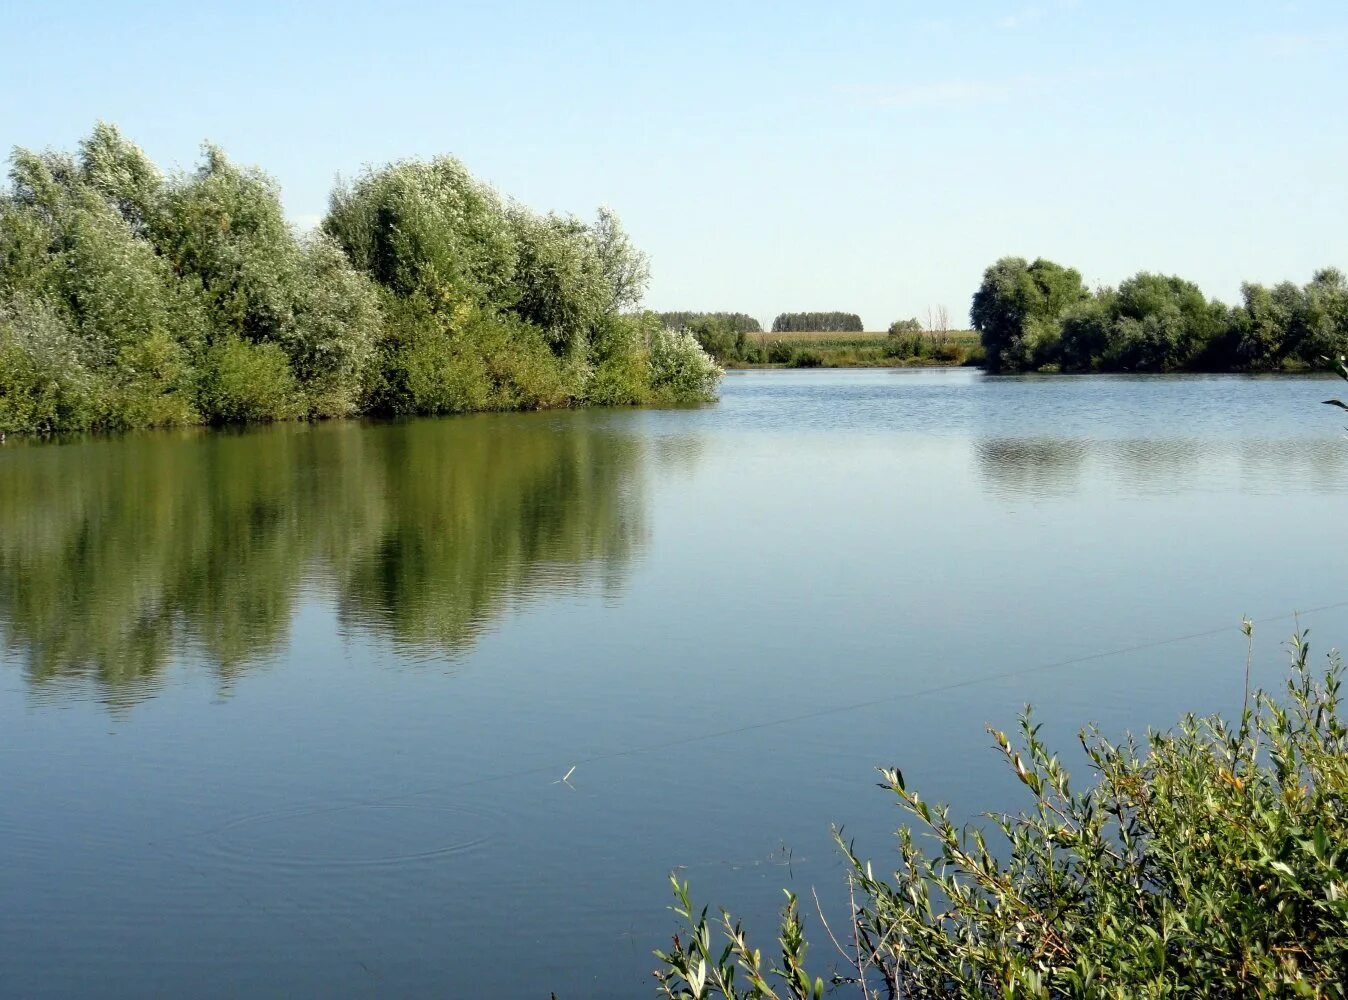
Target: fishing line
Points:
(890, 699)
(575, 762)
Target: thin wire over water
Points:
(556, 768)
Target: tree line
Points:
(817, 322)
(1040, 316)
(736, 322)
(133, 298)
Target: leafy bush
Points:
(152, 385)
(44, 382)
(244, 382)
(681, 371)
(131, 298)
(907, 345)
(720, 339)
(338, 323)
(949, 353)
(622, 371)
(1033, 315)
(426, 368)
(1017, 308)
(1212, 861)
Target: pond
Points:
(434, 707)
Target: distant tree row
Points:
(817, 322)
(735, 321)
(1040, 315)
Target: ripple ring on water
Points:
(353, 835)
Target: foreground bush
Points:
(1212, 861)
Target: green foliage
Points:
(338, 322)
(122, 173)
(817, 322)
(1017, 308)
(720, 338)
(681, 370)
(493, 306)
(223, 228)
(1037, 315)
(44, 382)
(622, 373)
(853, 350)
(626, 269)
(560, 286)
(693, 970)
(736, 321)
(919, 347)
(188, 298)
(1211, 861)
(152, 385)
(427, 228)
(905, 327)
(431, 230)
(468, 359)
(247, 381)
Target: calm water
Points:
(285, 711)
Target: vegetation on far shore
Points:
(817, 322)
(734, 348)
(1040, 316)
(736, 321)
(131, 298)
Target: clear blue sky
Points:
(866, 156)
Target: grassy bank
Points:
(854, 350)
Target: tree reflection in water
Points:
(116, 556)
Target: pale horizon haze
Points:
(866, 157)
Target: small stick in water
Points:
(565, 779)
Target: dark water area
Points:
(286, 711)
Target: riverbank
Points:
(874, 349)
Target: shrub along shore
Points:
(821, 349)
(134, 298)
(1041, 317)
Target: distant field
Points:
(869, 338)
(871, 349)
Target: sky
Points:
(871, 157)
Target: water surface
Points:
(285, 711)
